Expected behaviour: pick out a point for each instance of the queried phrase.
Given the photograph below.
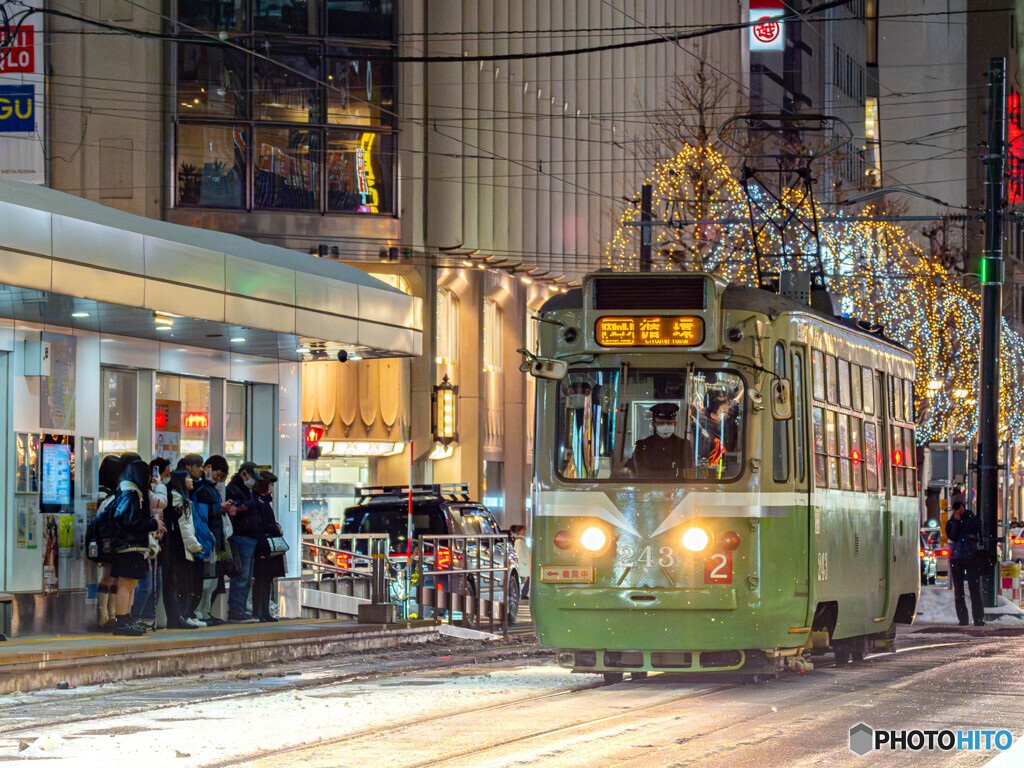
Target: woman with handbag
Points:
(270, 547)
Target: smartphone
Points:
(156, 473)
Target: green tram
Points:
(726, 478)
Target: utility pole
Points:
(991, 274)
(646, 193)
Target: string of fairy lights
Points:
(874, 268)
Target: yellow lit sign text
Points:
(649, 331)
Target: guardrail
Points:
(360, 560)
(466, 574)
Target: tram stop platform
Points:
(35, 663)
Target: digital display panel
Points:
(685, 331)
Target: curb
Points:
(191, 653)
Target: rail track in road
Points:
(534, 735)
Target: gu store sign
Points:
(22, 127)
(768, 34)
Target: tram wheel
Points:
(842, 651)
(637, 675)
(858, 647)
(613, 677)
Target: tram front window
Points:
(650, 425)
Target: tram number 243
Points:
(717, 565)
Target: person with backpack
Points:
(131, 522)
(207, 500)
(98, 543)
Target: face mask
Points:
(665, 430)
(250, 482)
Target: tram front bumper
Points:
(617, 599)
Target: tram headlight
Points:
(594, 539)
(696, 539)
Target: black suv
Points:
(442, 510)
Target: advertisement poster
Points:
(22, 124)
(51, 554)
(57, 391)
(167, 430)
(56, 474)
(28, 521)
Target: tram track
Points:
(105, 702)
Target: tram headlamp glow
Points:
(593, 539)
(696, 539)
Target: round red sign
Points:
(767, 32)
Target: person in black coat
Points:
(964, 529)
(266, 567)
(106, 588)
(245, 522)
(131, 524)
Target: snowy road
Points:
(451, 706)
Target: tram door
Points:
(881, 505)
(802, 452)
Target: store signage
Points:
(672, 331)
(56, 474)
(17, 108)
(197, 420)
(768, 34)
(22, 122)
(21, 55)
(1014, 149)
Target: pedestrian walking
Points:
(964, 529)
(269, 563)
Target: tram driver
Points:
(664, 454)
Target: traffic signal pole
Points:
(991, 274)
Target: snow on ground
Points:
(202, 733)
(936, 606)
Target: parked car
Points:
(934, 540)
(1015, 543)
(443, 510)
(927, 557)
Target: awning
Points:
(71, 262)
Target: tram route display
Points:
(781, 513)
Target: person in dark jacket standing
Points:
(245, 522)
(266, 567)
(964, 530)
(98, 531)
(132, 523)
(207, 500)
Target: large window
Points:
(608, 431)
(234, 425)
(119, 410)
(303, 125)
(182, 417)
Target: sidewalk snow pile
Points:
(936, 606)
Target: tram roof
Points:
(745, 298)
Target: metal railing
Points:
(466, 575)
(362, 558)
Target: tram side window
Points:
(844, 383)
(818, 374)
(869, 390)
(883, 473)
(833, 449)
(897, 458)
(845, 475)
(908, 400)
(799, 415)
(820, 455)
(780, 435)
(911, 461)
(855, 392)
(870, 456)
(831, 374)
(857, 452)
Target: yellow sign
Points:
(683, 331)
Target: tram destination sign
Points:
(652, 331)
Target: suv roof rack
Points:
(459, 491)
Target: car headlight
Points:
(594, 539)
(696, 539)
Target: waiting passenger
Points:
(664, 454)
